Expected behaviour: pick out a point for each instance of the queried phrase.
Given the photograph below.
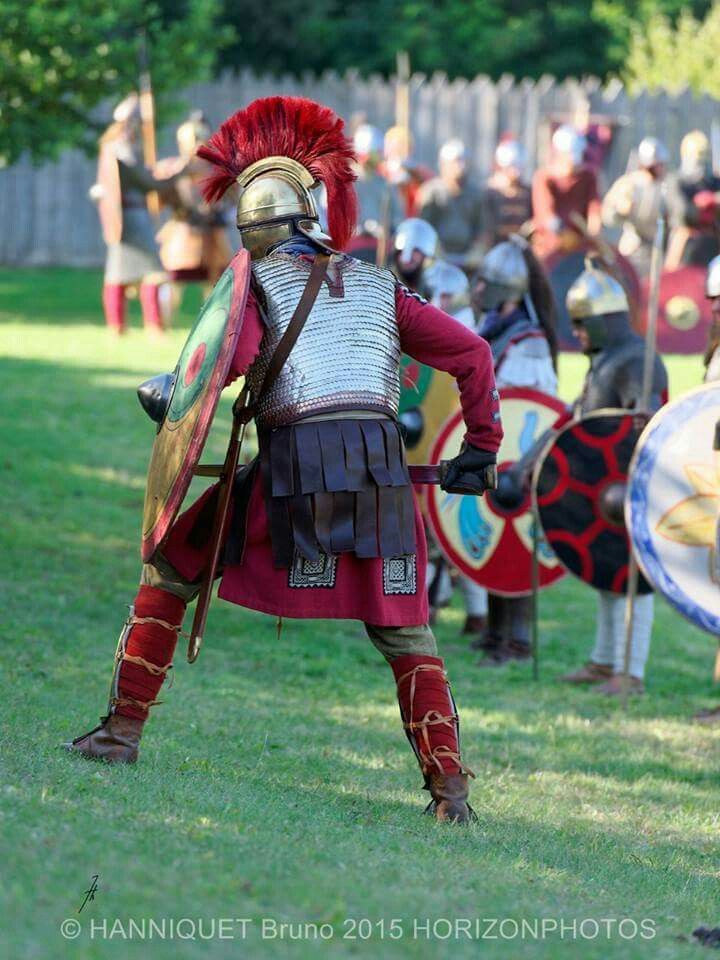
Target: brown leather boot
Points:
(505, 652)
(476, 627)
(449, 802)
(615, 686)
(116, 740)
(589, 673)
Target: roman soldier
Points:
(599, 309)
(517, 318)
(633, 203)
(323, 522)
(123, 184)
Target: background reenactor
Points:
(507, 198)
(123, 184)
(453, 204)
(566, 189)
(193, 243)
(599, 310)
(693, 205)
(633, 203)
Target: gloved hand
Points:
(472, 471)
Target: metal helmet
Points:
(415, 234)
(368, 141)
(276, 198)
(275, 151)
(447, 286)
(192, 133)
(594, 294)
(127, 109)
(712, 281)
(652, 152)
(568, 142)
(504, 273)
(598, 303)
(510, 153)
(694, 150)
(453, 150)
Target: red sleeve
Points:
(432, 337)
(543, 204)
(248, 344)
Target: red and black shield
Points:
(579, 493)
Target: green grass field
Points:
(276, 782)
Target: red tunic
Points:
(351, 588)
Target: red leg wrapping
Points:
(114, 306)
(151, 642)
(428, 712)
(150, 304)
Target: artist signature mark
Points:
(90, 894)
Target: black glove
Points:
(472, 471)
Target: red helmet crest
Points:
(305, 131)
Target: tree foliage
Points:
(463, 38)
(677, 55)
(60, 60)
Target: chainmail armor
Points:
(347, 356)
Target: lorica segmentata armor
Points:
(347, 356)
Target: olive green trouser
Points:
(390, 641)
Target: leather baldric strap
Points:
(294, 328)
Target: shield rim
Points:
(446, 548)
(635, 517)
(154, 540)
(602, 412)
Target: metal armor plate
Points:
(673, 503)
(579, 488)
(348, 354)
(486, 541)
(199, 378)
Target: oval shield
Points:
(579, 488)
(487, 541)
(199, 378)
(673, 504)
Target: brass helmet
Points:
(275, 203)
(594, 294)
(275, 152)
(597, 303)
(694, 151)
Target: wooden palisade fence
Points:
(47, 218)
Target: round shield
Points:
(427, 398)
(490, 541)
(199, 378)
(684, 314)
(579, 488)
(673, 503)
(563, 269)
